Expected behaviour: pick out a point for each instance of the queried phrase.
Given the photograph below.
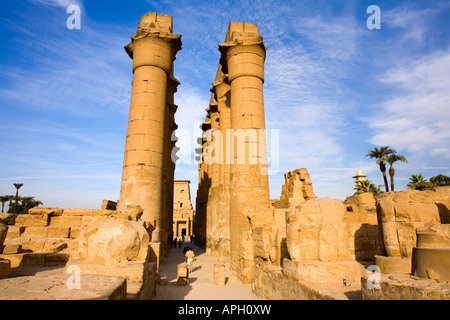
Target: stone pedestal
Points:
(182, 274)
(219, 274)
(5, 268)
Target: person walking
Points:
(186, 248)
(190, 258)
(174, 242)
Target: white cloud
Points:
(416, 118)
(415, 23)
(59, 3)
(72, 71)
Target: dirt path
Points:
(201, 285)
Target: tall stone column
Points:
(153, 49)
(243, 56)
(213, 155)
(169, 163)
(204, 186)
(221, 89)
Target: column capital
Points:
(155, 42)
(243, 53)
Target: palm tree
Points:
(381, 155)
(29, 202)
(366, 186)
(418, 182)
(440, 180)
(17, 185)
(391, 159)
(3, 199)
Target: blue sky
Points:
(334, 89)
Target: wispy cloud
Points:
(73, 70)
(59, 3)
(416, 117)
(414, 23)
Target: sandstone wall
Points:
(365, 239)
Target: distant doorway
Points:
(183, 232)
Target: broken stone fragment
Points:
(114, 240)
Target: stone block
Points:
(182, 281)
(56, 259)
(182, 270)
(403, 287)
(391, 265)
(33, 260)
(114, 240)
(8, 218)
(44, 244)
(15, 259)
(317, 230)
(12, 246)
(55, 244)
(15, 231)
(33, 244)
(38, 220)
(54, 287)
(58, 232)
(109, 205)
(133, 271)
(219, 274)
(323, 272)
(45, 211)
(87, 212)
(90, 220)
(35, 232)
(66, 221)
(73, 244)
(5, 268)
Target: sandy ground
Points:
(201, 285)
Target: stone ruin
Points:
(298, 246)
(295, 247)
(297, 189)
(102, 243)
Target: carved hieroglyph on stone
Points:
(113, 241)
